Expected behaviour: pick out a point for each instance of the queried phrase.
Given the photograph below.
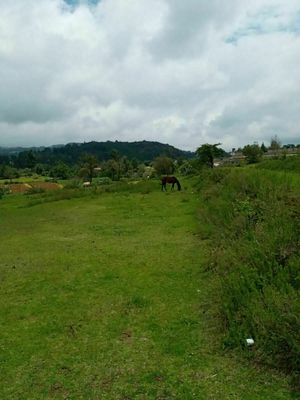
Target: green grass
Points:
(25, 179)
(289, 164)
(250, 219)
(108, 296)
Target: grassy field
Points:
(109, 297)
(25, 179)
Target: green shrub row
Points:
(252, 219)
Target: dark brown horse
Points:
(169, 179)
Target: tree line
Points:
(117, 165)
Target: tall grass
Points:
(252, 220)
(73, 190)
(290, 164)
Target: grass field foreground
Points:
(106, 297)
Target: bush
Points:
(252, 219)
(187, 168)
(102, 181)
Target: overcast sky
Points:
(183, 72)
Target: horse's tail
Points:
(178, 184)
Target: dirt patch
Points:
(18, 187)
(15, 188)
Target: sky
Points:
(183, 72)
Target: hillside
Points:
(8, 151)
(71, 153)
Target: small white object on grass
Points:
(250, 342)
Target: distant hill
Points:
(142, 151)
(7, 151)
(70, 153)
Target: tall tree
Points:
(208, 152)
(164, 165)
(88, 165)
(9, 172)
(60, 171)
(117, 157)
(263, 148)
(111, 168)
(275, 143)
(253, 153)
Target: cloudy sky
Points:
(183, 72)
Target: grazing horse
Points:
(169, 179)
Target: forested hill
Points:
(70, 153)
(8, 151)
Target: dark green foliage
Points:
(2, 192)
(253, 153)
(117, 166)
(40, 169)
(263, 148)
(187, 168)
(72, 152)
(164, 165)
(275, 143)
(88, 163)
(111, 169)
(60, 171)
(208, 152)
(8, 172)
(252, 219)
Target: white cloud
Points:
(178, 72)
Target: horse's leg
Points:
(172, 186)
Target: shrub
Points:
(102, 181)
(187, 168)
